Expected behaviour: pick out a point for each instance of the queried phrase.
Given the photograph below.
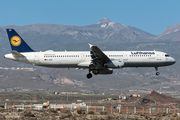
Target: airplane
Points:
(96, 60)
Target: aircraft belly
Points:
(146, 63)
(59, 65)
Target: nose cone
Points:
(173, 60)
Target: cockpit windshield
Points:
(166, 55)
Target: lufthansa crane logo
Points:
(15, 40)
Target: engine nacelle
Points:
(114, 64)
(103, 71)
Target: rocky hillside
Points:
(172, 34)
(158, 99)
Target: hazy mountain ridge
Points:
(103, 30)
(172, 33)
(57, 36)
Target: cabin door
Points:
(36, 57)
(158, 56)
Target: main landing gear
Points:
(157, 73)
(95, 72)
(89, 75)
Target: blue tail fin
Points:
(17, 43)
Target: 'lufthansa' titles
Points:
(15, 40)
(135, 53)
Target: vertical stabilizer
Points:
(17, 43)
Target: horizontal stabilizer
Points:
(17, 54)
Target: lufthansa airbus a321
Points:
(97, 61)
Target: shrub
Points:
(1, 110)
(53, 110)
(66, 111)
(91, 112)
(81, 111)
(27, 113)
(103, 113)
(163, 114)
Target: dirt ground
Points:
(80, 115)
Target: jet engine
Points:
(103, 71)
(114, 64)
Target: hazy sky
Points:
(152, 16)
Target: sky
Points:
(152, 16)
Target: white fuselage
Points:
(82, 59)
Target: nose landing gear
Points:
(157, 73)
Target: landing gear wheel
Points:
(157, 73)
(95, 72)
(89, 75)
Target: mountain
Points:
(107, 24)
(107, 35)
(172, 33)
(58, 37)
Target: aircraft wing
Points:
(98, 57)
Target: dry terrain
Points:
(142, 104)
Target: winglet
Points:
(90, 45)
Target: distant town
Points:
(17, 68)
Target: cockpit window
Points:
(166, 55)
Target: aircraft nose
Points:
(173, 60)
